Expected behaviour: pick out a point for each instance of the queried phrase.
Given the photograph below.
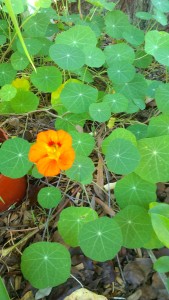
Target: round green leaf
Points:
(121, 72)
(7, 73)
(122, 157)
(160, 208)
(144, 15)
(7, 92)
(162, 5)
(70, 121)
(67, 57)
(49, 197)
(19, 61)
(154, 40)
(135, 224)
(83, 143)
(132, 107)
(51, 30)
(78, 36)
(24, 101)
(161, 54)
(139, 130)
(117, 102)
(101, 239)
(72, 220)
(14, 161)
(116, 23)
(142, 60)
(161, 265)
(119, 132)
(5, 107)
(134, 36)
(133, 190)
(35, 173)
(94, 57)
(153, 242)
(158, 126)
(33, 45)
(46, 264)
(160, 17)
(78, 97)
(17, 6)
(46, 43)
(119, 52)
(154, 163)
(135, 89)
(46, 79)
(100, 112)
(162, 99)
(36, 26)
(82, 170)
(152, 87)
(140, 103)
(161, 228)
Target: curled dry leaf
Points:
(136, 272)
(84, 294)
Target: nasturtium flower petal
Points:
(52, 152)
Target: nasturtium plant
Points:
(162, 99)
(72, 220)
(78, 37)
(119, 53)
(46, 264)
(102, 234)
(92, 91)
(24, 101)
(115, 134)
(83, 143)
(117, 102)
(121, 72)
(81, 170)
(100, 112)
(122, 157)
(158, 126)
(14, 161)
(67, 57)
(19, 61)
(46, 79)
(133, 190)
(135, 224)
(134, 89)
(7, 92)
(154, 163)
(162, 264)
(78, 97)
(116, 24)
(49, 197)
(7, 73)
(139, 130)
(33, 45)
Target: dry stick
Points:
(108, 210)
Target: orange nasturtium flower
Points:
(52, 152)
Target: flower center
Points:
(53, 150)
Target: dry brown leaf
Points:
(136, 272)
(84, 294)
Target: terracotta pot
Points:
(3, 136)
(11, 190)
